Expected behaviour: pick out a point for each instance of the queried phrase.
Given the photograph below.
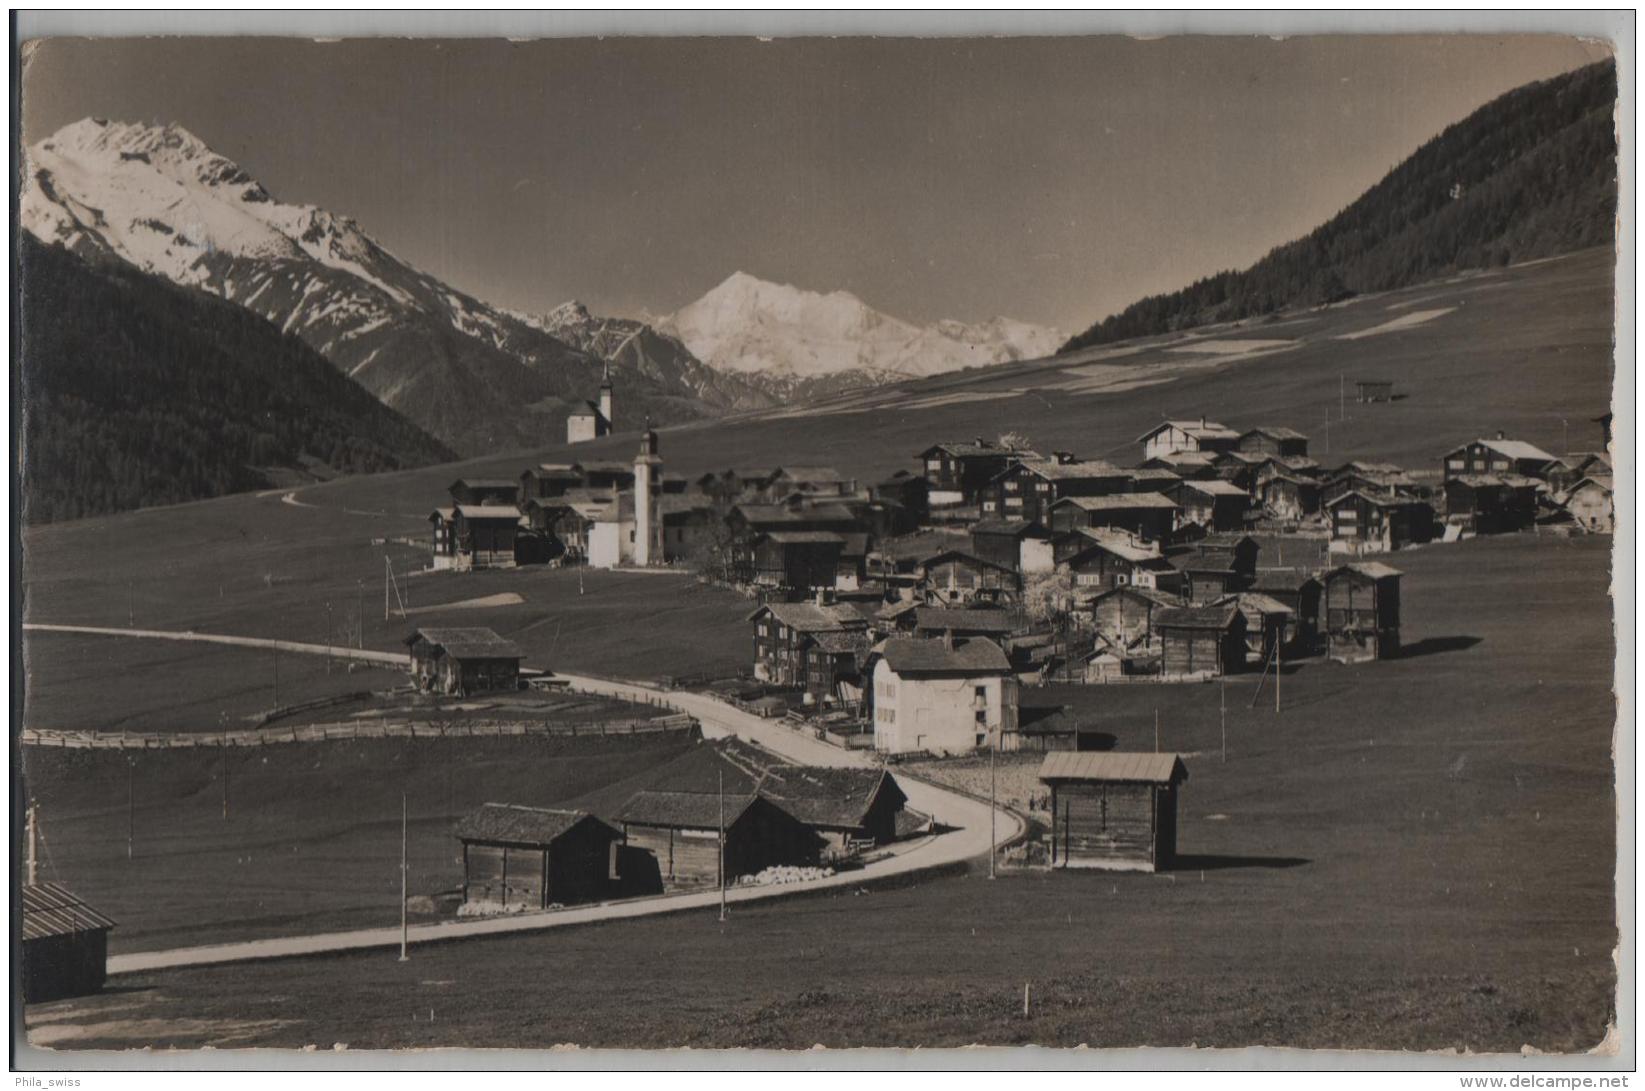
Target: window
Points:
(982, 716)
(982, 693)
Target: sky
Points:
(1052, 180)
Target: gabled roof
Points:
(802, 537)
(690, 810)
(488, 511)
(1111, 767)
(53, 910)
(468, 643)
(1125, 501)
(1511, 448)
(517, 825)
(1158, 598)
(1053, 470)
(1254, 602)
(1214, 487)
(816, 475)
(1273, 432)
(773, 514)
(1282, 579)
(915, 656)
(1199, 429)
(1153, 473)
(808, 617)
(818, 796)
(1117, 542)
(1391, 501)
(1183, 458)
(486, 483)
(971, 558)
(839, 643)
(1016, 528)
(980, 448)
(1591, 482)
(1196, 617)
(936, 619)
(1375, 570)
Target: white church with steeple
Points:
(594, 419)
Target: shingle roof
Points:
(1516, 448)
(919, 655)
(1199, 429)
(1159, 598)
(974, 449)
(1153, 473)
(1126, 501)
(1113, 767)
(1273, 432)
(1052, 470)
(839, 643)
(1281, 579)
(1196, 617)
(1118, 543)
(769, 514)
(808, 617)
(486, 482)
(693, 810)
(488, 511)
(1255, 602)
(817, 796)
(1215, 488)
(1014, 527)
(52, 910)
(813, 474)
(514, 824)
(803, 537)
(1376, 570)
(936, 619)
(469, 643)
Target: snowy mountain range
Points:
(478, 377)
(752, 326)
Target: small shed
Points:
(463, 661)
(1200, 639)
(682, 830)
(1591, 505)
(1373, 390)
(1116, 811)
(1359, 607)
(535, 857)
(65, 944)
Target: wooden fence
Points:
(266, 736)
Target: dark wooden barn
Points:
(1146, 515)
(463, 661)
(1283, 442)
(1363, 522)
(1359, 610)
(485, 491)
(1125, 615)
(1500, 455)
(906, 495)
(797, 560)
(682, 830)
(535, 857)
(1491, 503)
(1001, 540)
(1115, 811)
(1028, 487)
(65, 944)
(954, 576)
(1200, 639)
(956, 473)
(1299, 591)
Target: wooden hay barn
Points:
(1115, 811)
(534, 857)
(1359, 607)
(65, 944)
(1200, 639)
(682, 830)
(463, 661)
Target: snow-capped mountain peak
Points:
(749, 325)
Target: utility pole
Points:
(1222, 711)
(1276, 678)
(1156, 731)
(1327, 431)
(993, 836)
(403, 956)
(1567, 426)
(328, 636)
(131, 803)
(722, 843)
(131, 610)
(1342, 396)
(276, 678)
(225, 780)
(33, 867)
(360, 609)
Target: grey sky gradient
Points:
(1053, 180)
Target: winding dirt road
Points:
(965, 822)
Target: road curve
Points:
(965, 821)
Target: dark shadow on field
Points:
(1220, 863)
(1436, 645)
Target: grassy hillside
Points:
(1529, 174)
(138, 392)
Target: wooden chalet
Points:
(1497, 456)
(797, 560)
(1203, 436)
(548, 481)
(469, 536)
(1124, 616)
(954, 576)
(1359, 611)
(1591, 505)
(821, 481)
(906, 496)
(813, 646)
(957, 473)
(1103, 558)
(1269, 623)
(1240, 469)
(463, 661)
(1200, 640)
(65, 944)
(1116, 811)
(682, 830)
(1298, 591)
(1366, 523)
(533, 857)
(937, 621)
(1148, 516)
(1027, 487)
(1281, 442)
(1016, 544)
(1491, 503)
(1215, 505)
(1372, 478)
(485, 491)
(1288, 496)
(748, 520)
